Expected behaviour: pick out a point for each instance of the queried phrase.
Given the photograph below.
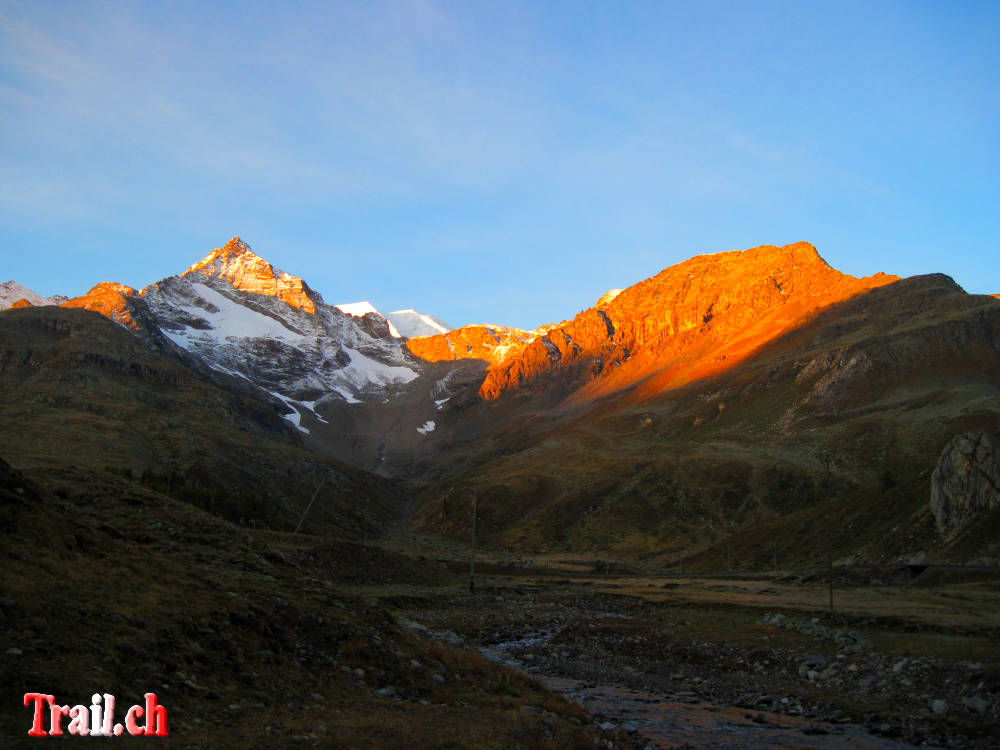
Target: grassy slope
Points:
(827, 436)
(243, 635)
(80, 390)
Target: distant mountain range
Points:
(734, 400)
(402, 323)
(12, 293)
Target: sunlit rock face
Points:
(110, 299)
(492, 344)
(690, 320)
(243, 270)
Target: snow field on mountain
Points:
(231, 321)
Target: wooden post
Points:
(829, 566)
(472, 559)
(775, 557)
(729, 557)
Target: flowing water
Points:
(683, 720)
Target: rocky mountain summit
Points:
(242, 316)
(13, 294)
(690, 320)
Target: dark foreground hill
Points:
(78, 390)
(242, 634)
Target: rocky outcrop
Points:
(966, 481)
(11, 293)
(20, 303)
(110, 299)
(690, 320)
(493, 344)
(241, 268)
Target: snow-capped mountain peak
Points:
(242, 316)
(411, 323)
(402, 323)
(359, 309)
(246, 271)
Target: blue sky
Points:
(495, 162)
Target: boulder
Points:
(966, 481)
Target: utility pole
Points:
(829, 566)
(472, 559)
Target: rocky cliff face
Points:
(493, 344)
(110, 299)
(966, 481)
(690, 320)
(245, 271)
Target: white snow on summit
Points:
(360, 309)
(11, 292)
(411, 323)
(239, 314)
(229, 319)
(402, 323)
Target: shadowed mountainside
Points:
(740, 398)
(80, 390)
(826, 435)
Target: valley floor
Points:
(256, 638)
(713, 662)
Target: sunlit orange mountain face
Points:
(108, 298)
(691, 320)
(739, 398)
